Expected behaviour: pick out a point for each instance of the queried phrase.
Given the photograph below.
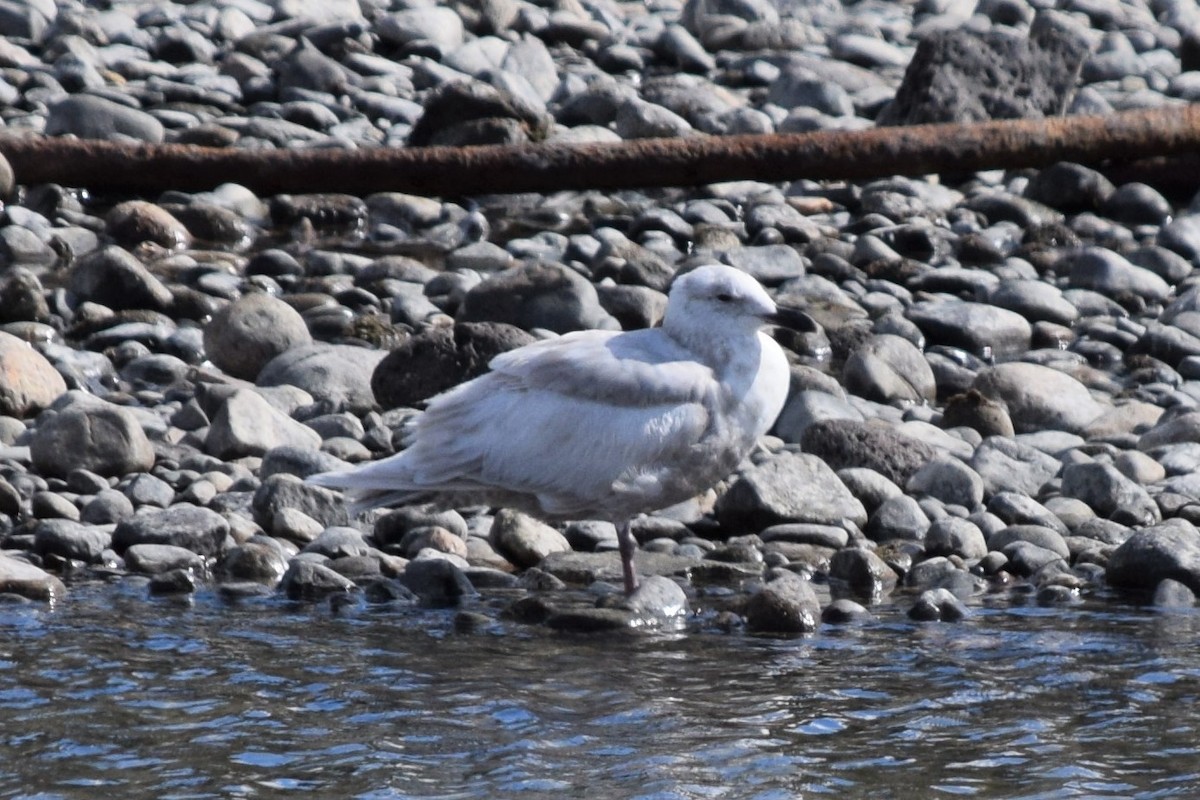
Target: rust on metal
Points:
(440, 171)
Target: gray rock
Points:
(437, 581)
(808, 406)
(310, 580)
(587, 568)
(259, 561)
(1034, 300)
(108, 506)
(135, 222)
(28, 382)
(786, 604)
(1014, 508)
(950, 481)
(898, 518)
(1112, 275)
(439, 27)
(848, 443)
(1046, 538)
(337, 375)
(1026, 559)
(975, 327)
(282, 491)
(1170, 550)
(247, 425)
(954, 536)
(524, 540)
(1182, 235)
(71, 540)
(807, 533)
(24, 579)
(115, 278)
(1172, 430)
(184, 525)
(1070, 187)
(843, 610)
(1110, 493)
(862, 573)
(93, 435)
(1039, 397)
(657, 599)
(92, 117)
(339, 541)
(546, 296)
(1170, 593)
(787, 487)
(155, 559)
(1137, 204)
(889, 369)
(938, 605)
(242, 337)
(148, 490)
(1006, 465)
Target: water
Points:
(114, 695)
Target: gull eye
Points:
(725, 297)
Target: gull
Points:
(600, 425)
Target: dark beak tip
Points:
(793, 319)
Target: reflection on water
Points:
(117, 696)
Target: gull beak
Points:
(793, 319)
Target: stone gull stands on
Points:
(597, 424)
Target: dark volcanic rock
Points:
(962, 76)
(438, 359)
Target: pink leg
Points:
(627, 545)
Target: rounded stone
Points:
(28, 383)
(252, 330)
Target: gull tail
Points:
(381, 483)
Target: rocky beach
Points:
(1001, 404)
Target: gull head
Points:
(716, 299)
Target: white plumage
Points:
(597, 424)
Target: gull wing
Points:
(567, 418)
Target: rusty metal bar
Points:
(914, 150)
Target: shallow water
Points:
(111, 694)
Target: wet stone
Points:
(26, 580)
(309, 581)
(437, 581)
(862, 573)
(175, 581)
(787, 604)
(152, 559)
(938, 605)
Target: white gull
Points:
(598, 424)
